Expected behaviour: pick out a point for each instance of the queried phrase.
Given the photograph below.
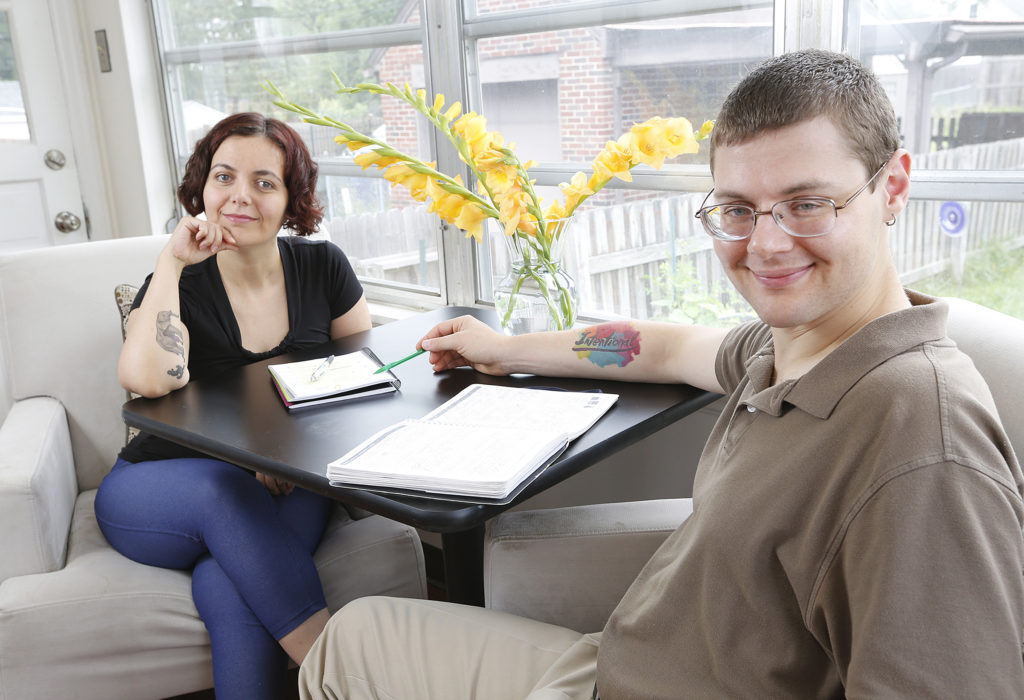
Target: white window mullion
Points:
(446, 74)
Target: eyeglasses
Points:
(804, 217)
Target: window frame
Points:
(448, 34)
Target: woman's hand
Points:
(194, 240)
(465, 342)
(277, 487)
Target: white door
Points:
(40, 202)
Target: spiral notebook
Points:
(347, 377)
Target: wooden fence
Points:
(624, 257)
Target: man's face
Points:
(803, 282)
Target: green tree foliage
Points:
(8, 67)
(232, 85)
(679, 295)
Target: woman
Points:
(227, 291)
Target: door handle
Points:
(54, 159)
(66, 222)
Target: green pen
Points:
(388, 366)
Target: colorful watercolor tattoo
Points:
(614, 343)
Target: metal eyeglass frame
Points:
(721, 235)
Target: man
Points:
(857, 510)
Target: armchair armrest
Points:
(571, 566)
(37, 487)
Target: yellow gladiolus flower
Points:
(453, 111)
(471, 220)
(679, 137)
(473, 129)
(367, 158)
(614, 161)
(555, 211)
(576, 190)
(416, 183)
(503, 189)
(353, 145)
(649, 142)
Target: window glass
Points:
(490, 7)
(13, 122)
(215, 58)
(561, 95)
(640, 254)
(967, 249)
(386, 236)
(955, 73)
(204, 22)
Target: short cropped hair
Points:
(803, 85)
(303, 213)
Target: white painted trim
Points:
(75, 58)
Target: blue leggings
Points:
(253, 578)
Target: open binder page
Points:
(439, 457)
(484, 442)
(570, 412)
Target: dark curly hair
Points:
(303, 213)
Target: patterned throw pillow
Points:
(124, 295)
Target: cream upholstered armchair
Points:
(77, 619)
(570, 566)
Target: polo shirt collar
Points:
(819, 391)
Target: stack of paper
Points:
(485, 442)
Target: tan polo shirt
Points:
(856, 531)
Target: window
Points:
(13, 122)
(955, 74)
(560, 78)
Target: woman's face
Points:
(245, 190)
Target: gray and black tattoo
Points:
(170, 338)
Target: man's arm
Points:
(925, 596)
(639, 351)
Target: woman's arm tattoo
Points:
(170, 338)
(613, 343)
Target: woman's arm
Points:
(154, 357)
(352, 321)
(639, 351)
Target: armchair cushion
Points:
(37, 487)
(114, 628)
(571, 566)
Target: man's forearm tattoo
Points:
(613, 343)
(170, 338)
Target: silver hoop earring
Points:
(892, 221)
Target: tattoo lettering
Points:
(177, 371)
(168, 335)
(613, 343)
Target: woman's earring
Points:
(892, 221)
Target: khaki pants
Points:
(402, 649)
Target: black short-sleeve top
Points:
(321, 286)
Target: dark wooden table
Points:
(240, 418)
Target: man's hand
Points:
(466, 342)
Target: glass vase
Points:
(537, 294)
